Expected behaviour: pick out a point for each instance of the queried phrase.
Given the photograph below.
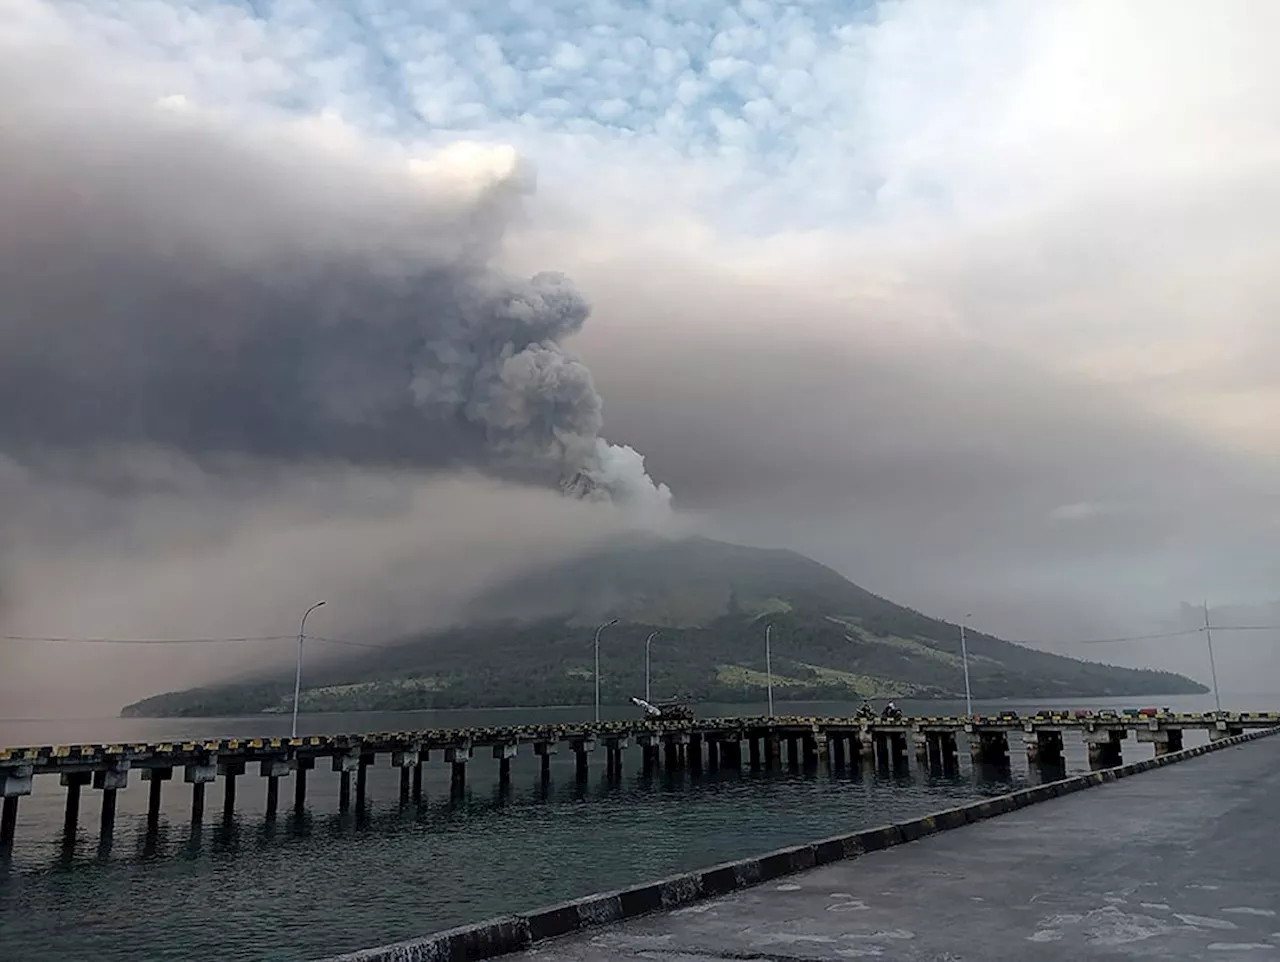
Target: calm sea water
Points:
(308, 888)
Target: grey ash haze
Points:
(249, 357)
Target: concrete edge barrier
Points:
(512, 933)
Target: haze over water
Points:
(328, 883)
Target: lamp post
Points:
(297, 675)
(648, 643)
(1213, 668)
(768, 664)
(597, 672)
(964, 659)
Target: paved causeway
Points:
(1179, 863)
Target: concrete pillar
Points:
(695, 753)
(1104, 747)
(772, 750)
(365, 760)
(544, 750)
(793, 752)
(73, 781)
(199, 775)
(837, 741)
(504, 754)
(989, 747)
(157, 777)
(713, 753)
(8, 822)
(457, 757)
(230, 769)
(1166, 740)
(405, 760)
(753, 751)
(1043, 747)
(417, 780)
(867, 745)
(730, 751)
(920, 742)
(582, 749)
(809, 750)
(671, 755)
(344, 765)
(305, 764)
(273, 769)
(15, 781)
(109, 781)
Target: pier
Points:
(697, 746)
(1178, 864)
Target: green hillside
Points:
(530, 643)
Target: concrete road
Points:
(1179, 863)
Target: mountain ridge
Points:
(529, 641)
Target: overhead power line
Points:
(144, 641)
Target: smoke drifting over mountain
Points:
(169, 279)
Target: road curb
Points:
(511, 933)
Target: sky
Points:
(974, 302)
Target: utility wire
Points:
(347, 642)
(143, 641)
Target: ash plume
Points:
(170, 279)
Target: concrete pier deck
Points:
(1180, 863)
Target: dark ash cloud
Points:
(169, 279)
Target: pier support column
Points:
(942, 751)
(695, 753)
(754, 752)
(344, 765)
(1044, 747)
(674, 745)
(362, 781)
(109, 781)
(417, 776)
(582, 749)
(457, 757)
(544, 751)
(772, 750)
(157, 777)
(1104, 747)
(230, 769)
(198, 776)
(713, 753)
(648, 742)
(809, 750)
(15, 781)
(866, 741)
(407, 760)
(989, 747)
(504, 754)
(837, 741)
(274, 769)
(73, 782)
(8, 823)
(1166, 740)
(793, 752)
(920, 742)
(305, 763)
(729, 749)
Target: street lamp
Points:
(597, 673)
(964, 659)
(648, 642)
(297, 676)
(768, 664)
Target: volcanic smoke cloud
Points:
(287, 292)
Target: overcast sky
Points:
(974, 301)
